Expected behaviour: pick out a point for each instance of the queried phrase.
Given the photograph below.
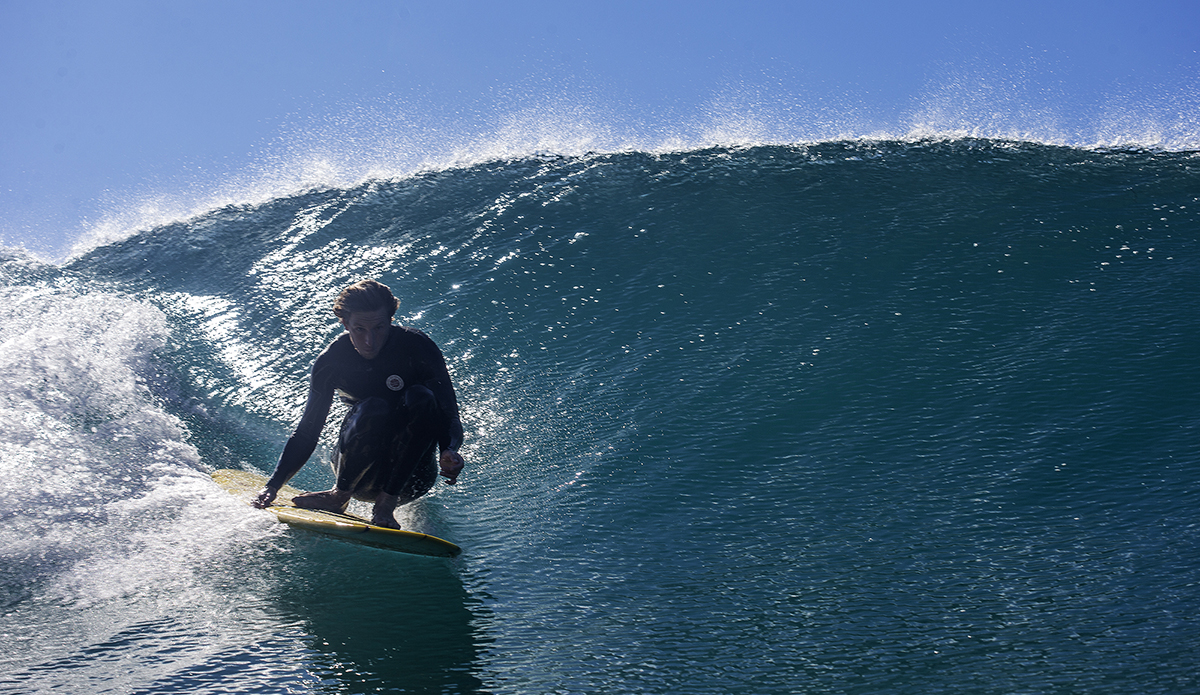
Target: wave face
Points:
(848, 417)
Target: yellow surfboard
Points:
(246, 486)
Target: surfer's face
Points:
(368, 331)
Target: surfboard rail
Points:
(245, 485)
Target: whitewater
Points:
(902, 415)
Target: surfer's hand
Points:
(452, 464)
(265, 498)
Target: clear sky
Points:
(115, 115)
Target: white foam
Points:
(88, 454)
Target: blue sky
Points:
(116, 115)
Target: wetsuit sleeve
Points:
(452, 437)
(304, 439)
(439, 382)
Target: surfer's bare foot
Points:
(384, 513)
(334, 500)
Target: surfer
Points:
(402, 407)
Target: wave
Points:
(698, 385)
(393, 140)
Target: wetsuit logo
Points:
(395, 383)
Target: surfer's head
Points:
(366, 296)
(365, 310)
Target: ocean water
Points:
(845, 417)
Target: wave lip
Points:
(392, 140)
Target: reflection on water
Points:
(379, 620)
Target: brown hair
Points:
(365, 296)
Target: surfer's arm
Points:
(303, 441)
(295, 454)
(451, 438)
(437, 379)
(450, 461)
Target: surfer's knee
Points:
(366, 415)
(419, 399)
(371, 408)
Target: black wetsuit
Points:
(402, 406)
